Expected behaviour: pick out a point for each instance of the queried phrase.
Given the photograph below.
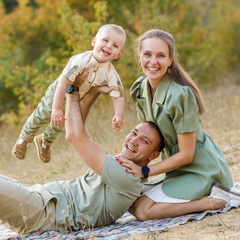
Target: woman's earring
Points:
(169, 70)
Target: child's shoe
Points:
(43, 148)
(20, 148)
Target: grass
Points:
(221, 122)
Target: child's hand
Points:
(57, 117)
(117, 122)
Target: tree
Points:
(37, 38)
(10, 5)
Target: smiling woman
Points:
(154, 61)
(192, 162)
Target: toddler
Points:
(107, 46)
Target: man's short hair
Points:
(161, 144)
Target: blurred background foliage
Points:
(38, 37)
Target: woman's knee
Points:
(140, 212)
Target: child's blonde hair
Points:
(118, 29)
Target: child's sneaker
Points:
(20, 148)
(43, 149)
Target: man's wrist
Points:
(74, 96)
(71, 88)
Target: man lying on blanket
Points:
(97, 198)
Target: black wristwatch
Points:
(145, 171)
(72, 88)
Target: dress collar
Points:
(161, 91)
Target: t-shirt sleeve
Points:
(115, 177)
(121, 189)
(182, 108)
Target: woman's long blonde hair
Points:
(177, 73)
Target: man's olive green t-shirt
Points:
(92, 200)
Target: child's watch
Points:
(145, 171)
(71, 88)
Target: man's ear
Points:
(154, 155)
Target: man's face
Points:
(140, 143)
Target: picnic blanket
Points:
(124, 227)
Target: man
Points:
(97, 198)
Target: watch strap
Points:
(75, 88)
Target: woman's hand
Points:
(130, 165)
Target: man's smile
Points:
(130, 148)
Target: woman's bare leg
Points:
(144, 208)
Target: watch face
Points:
(69, 89)
(145, 171)
(72, 88)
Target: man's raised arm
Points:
(78, 136)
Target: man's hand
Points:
(80, 78)
(106, 89)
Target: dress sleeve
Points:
(182, 109)
(135, 92)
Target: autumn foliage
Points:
(38, 37)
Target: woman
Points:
(191, 160)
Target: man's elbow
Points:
(71, 137)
